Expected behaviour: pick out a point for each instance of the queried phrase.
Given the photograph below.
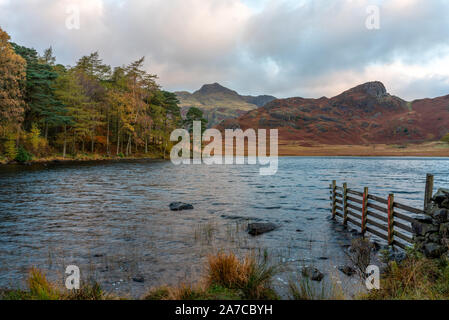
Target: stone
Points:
(139, 279)
(422, 218)
(421, 228)
(312, 273)
(257, 228)
(178, 206)
(397, 256)
(444, 228)
(434, 237)
(432, 250)
(419, 238)
(445, 204)
(440, 215)
(440, 196)
(347, 270)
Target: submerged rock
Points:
(139, 279)
(312, 273)
(178, 206)
(260, 227)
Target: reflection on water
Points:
(113, 221)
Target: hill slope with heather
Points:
(219, 103)
(365, 114)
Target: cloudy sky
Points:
(285, 48)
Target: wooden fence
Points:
(385, 218)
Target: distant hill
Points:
(219, 103)
(365, 114)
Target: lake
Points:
(112, 219)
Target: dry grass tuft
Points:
(39, 287)
(249, 275)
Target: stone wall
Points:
(431, 230)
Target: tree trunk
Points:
(118, 141)
(146, 144)
(65, 142)
(74, 144)
(107, 134)
(127, 145)
(92, 143)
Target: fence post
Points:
(390, 219)
(364, 209)
(428, 191)
(345, 203)
(334, 198)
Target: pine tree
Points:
(42, 107)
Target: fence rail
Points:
(377, 215)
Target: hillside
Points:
(219, 103)
(365, 114)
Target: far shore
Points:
(84, 159)
(428, 149)
(286, 149)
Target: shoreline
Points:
(286, 149)
(425, 150)
(60, 160)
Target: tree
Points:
(12, 82)
(70, 93)
(42, 107)
(194, 114)
(47, 57)
(72, 106)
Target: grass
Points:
(227, 278)
(204, 233)
(39, 288)
(415, 278)
(304, 289)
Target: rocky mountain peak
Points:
(373, 88)
(214, 88)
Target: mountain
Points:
(365, 114)
(219, 103)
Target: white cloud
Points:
(286, 48)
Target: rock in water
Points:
(139, 279)
(312, 273)
(178, 206)
(347, 270)
(260, 227)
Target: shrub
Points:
(121, 155)
(360, 254)
(10, 147)
(445, 138)
(23, 155)
(34, 137)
